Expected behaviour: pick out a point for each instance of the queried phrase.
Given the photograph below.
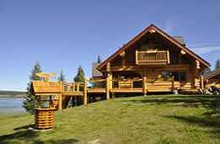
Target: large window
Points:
(179, 76)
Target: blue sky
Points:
(68, 33)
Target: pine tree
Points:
(29, 101)
(80, 77)
(99, 60)
(217, 64)
(61, 76)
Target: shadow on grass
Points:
(210, 118)
(65, 141)
(214, 124)
(23, 127)
(28, 136)
(19, 136)
(210, 102)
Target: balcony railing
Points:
(152, 57)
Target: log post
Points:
(85, 92)
(144, 85)
(172, 83)
(60, 102)
(107, 88)
(201, 82)
(38, 101)
(110, 82)
(73, 86)
(77, 86)
(60, 107)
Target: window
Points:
(179, 76)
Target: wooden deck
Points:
(64, 91)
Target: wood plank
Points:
(96, 90)
(85, 93)
(46, 87)
(73, 93)
(127, 90)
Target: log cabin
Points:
(212, 79)
(153, 61)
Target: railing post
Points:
(85, 92)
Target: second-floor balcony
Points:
(152, 57)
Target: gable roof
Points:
(212, 74)
(95, 72)
(144, 32)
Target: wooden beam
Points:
(77, 86)
(60, 102)
(136, 57)
(182, 52)
(108, 67)
(122, 54)
(145, 85)
(107, 88)
(178, 67)
(197, 64)
(201, 82)
(168, 57)
(172, 83)
(85, 92)
(110, 82)
(152, 31)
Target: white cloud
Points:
(206, 49)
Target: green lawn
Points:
(151, 119)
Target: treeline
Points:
(5, 93)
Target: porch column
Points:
(201, 82)
(107, 87)
(60, 102)
(172, 83)
(108, 83)
(85, 93)
(144, 79)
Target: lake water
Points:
(11, 105)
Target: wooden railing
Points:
(152, 57)
(127, 83)
(71, 87)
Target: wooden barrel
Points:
(44, 118)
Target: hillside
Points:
(152, 119)
(4, 93)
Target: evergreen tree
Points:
(99, 60)
(29, 101)
(217, 64)
(80, 77)
(61, 76)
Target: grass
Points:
(163, 119)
